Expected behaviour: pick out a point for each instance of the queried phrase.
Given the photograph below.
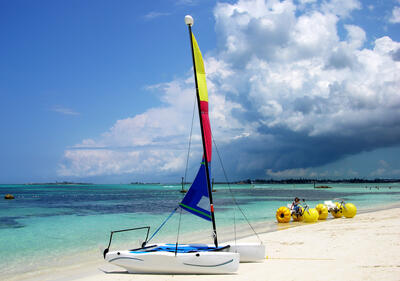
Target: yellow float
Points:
(311, 215)
(322, 211)
(283, 214)
(297, 216)
(337, 212)
(349, 210)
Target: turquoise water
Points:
(53, 221)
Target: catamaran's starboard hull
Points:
(249, 252)
(182, 263)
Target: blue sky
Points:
(102, 91)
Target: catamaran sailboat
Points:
(190, 258)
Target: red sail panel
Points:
(206, 129)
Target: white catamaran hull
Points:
(182, 263)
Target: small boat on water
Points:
(172, 258)
(183, 190)
(9, 197)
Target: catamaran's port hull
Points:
(181, 263)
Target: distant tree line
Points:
(59, 183)
(312, 181)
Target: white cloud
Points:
(93, 162)
(383, 163)
(378, 172)
(355, 36)
(186, 2)
(395, 18)
(154, 140)
(341, 8)
(153, 14)
(290, 173)
(310, 173)
(352, 173)
(64, 110)
(313, 80)
(307, 1)
(385, 169)
(285, 91)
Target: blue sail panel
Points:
(196, 200)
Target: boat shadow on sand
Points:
(125, 272)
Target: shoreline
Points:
(284, 245)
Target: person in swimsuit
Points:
(296, 205)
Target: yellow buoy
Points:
(283, 214)
(349, 210)
(322, 211)
(337, 212)
(311, 215)
(298, 217)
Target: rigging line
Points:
(155, 232)
(233, 196)
(190, 142)
(179, 228)
(234, 225)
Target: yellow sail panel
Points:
(200, 72)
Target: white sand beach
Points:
(366, 247)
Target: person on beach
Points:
(295, 205)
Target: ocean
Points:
(53, 225)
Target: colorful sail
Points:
(202, 88)
(196, 200)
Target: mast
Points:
(189, 23)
